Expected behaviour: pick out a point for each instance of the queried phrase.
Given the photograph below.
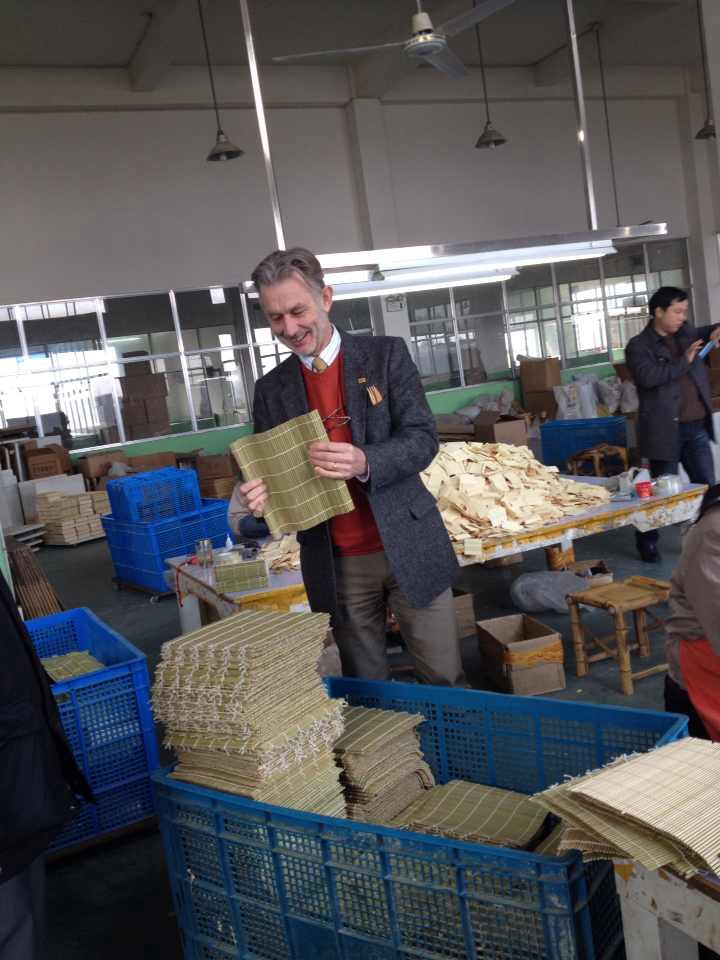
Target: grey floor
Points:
(114, 901)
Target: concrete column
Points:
(371, 162)
(702, 190)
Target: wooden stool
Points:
(598, 456)
(635, 595)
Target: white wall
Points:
(113, 195)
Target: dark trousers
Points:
(678, 700)
(22, 914)
(695, 456)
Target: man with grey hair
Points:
(392, 549)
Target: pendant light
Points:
(224, 149)
(491, 136)
(707, 131)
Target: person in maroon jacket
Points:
(39, 783)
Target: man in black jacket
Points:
(675, 419)
(38, 782)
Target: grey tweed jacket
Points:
(399, 439)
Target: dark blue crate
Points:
(155, 495)
(563, 438)
(107, 720)
(251, 880)
(215, 515)
(152, 580)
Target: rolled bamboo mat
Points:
(34, 594)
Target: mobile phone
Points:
(710, 345)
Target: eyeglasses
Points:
(335, 419)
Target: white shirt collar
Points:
(329, 354)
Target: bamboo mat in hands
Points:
(297, 498)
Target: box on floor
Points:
(492, 427)
(542, 403)
(521, 655)
(537, 375)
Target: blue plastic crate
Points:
(156, 495)
(258, 881)
(563, 438)
(145, 545)
(215, 516)
(153, 580)
(107, 720)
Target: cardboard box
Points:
(134, 413)
(219, 488)
(146, 430)
(146, 385)
(714, 375)
(541, 403)
(96, 465)
(500, 428)
(156, 410)
(152, 461)
(216, 466)
(536, 375)
(465, 614)
(623, 371)
(49, 461)
(521, 655)
(138, 369)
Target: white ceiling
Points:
(76, 33)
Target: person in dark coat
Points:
(392, 549)
(39, 781)
(675, 417)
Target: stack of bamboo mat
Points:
(65, 666)
(383, 768)
(246, 711)
(474, 812)
(660, 808)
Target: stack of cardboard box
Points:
(144, 400)
(218, 476)
(96, 466)
(538, 377)
(46, 461)
(72, 518)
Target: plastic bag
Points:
(610, 393)
(546, 590)
(629, 402)
(576, 401)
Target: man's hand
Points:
(254, 494)
(338, 461)
(692, 350)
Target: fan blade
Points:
(333, 53)
(471, 17)
(446, 61)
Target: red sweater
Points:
(354, 533)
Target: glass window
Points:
(70, 402)
(432, 338)
(352, 315)
(578, 280)
(219, 384)
(140, 324)
(62, 334)
(668, 264)
(207, 315)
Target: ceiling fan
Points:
(426, 42)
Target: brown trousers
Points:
(365, 587)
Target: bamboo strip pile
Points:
(487, 491)
(661, 808)
(246, 711)
(33, 592)
(297, 498)
(282, 554)
(72, 517)
(383, 769)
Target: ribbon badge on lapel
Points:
(372, 392)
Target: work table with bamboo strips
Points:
(648, 514)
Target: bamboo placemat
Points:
(475, 812)
(297, 498)
(65, 666)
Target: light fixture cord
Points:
(611, 151)
(482, 68)
(209, 65)
(703, 54)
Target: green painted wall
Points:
(218, 439)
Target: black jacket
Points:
(656, 373)
(399, 439)
(38, 773)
